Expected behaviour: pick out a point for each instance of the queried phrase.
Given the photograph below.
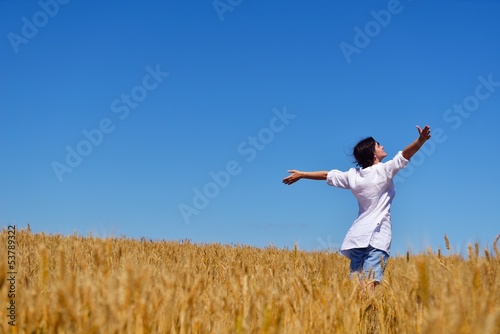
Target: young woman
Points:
(368, 241)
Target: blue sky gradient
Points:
(178, 120)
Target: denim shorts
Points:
(369, 263)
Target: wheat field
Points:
(76, 284)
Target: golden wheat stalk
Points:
(495, 246)
(447, 242)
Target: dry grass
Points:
(79, 284)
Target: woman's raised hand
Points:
(294, 177)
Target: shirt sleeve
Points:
(338, 179)
(393, 166)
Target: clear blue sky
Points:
(178, 119)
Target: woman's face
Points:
(379, 152)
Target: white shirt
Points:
(374, 189)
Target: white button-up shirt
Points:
(374, 189)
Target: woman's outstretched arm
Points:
(423, 135)
(297, 175)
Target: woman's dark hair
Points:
(363, 152)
